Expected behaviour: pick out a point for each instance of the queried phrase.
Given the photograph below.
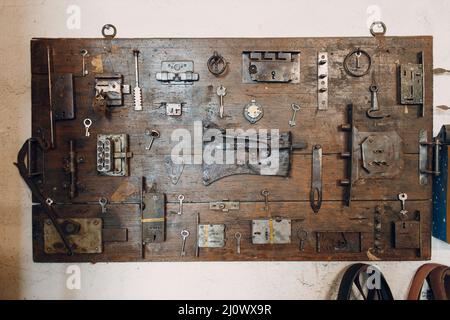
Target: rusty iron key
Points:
(153, 134)
(184, 235)
(87, 124)
(238, 237)
(221, 92)
(180, 199)
(295, 108)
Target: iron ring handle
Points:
(379, 33)
(109, 26)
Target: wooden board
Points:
(289, 197)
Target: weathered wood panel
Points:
(289, 197)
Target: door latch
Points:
(424, 170)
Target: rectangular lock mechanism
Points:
(84, 235)
(112, 155)
(407, 235)
(173, 109)
(110, 87)
(271, 66)
(211, 235)
(153, 218)
(177, 72)
(411, 81)
(271, 231)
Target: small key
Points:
(87, 124)
(295, 108)
(103, 202)
(184, 235)
(302, 235)
(265, 194)
(403, 197)
(180, 199)
(238, 237)
(221, 92)
(153, 134)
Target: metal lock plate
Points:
(407, 235)
(253, 112)
(173, 109)
(224, 206)
(85, 238)
(211, 236)
(111, 88)
(380, 153)
(112, 155)
(271, 231)
(339, 242)
(271, 66)
(153, 218)
(62, 96)
(411, 84)
(177, 72)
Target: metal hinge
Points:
(424, 171)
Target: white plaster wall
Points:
(22, 20)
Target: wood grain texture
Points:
(289, 197)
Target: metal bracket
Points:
(177, 72)
(110, 87)
(315, 196)
(224, 206)
(322, 81)
(271, 66)
(112, 155)
(423, 157)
